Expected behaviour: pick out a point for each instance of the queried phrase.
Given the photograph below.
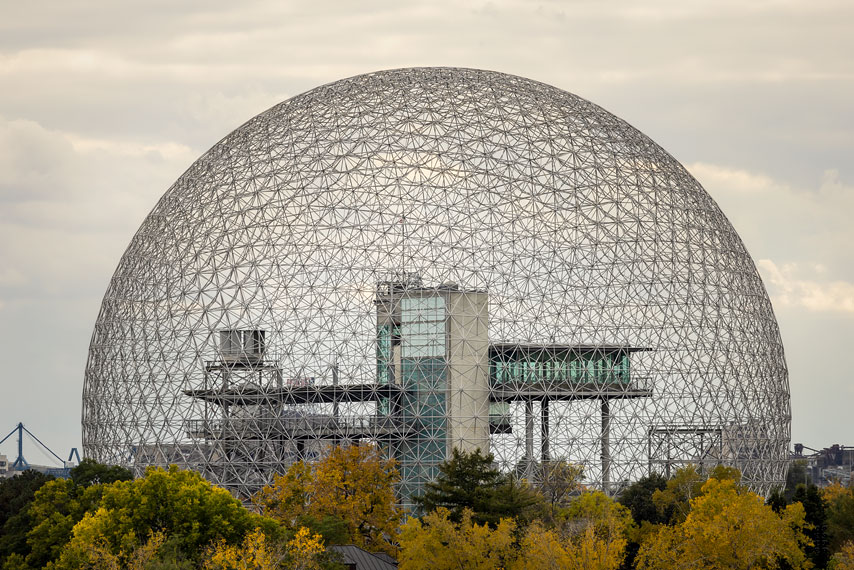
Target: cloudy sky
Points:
(104, 104)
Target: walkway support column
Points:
(606, 446)
(529, 439)
(544, 431)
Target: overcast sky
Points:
(104, 104)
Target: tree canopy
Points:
(190, 511)
(90, 472)
(473, 516)
(728, 527)
(351, 489)
(840, 514)
(471, 481)
(439, 543)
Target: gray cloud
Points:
(106, 103)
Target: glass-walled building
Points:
(432, 343)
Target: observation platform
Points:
(294, 395)
(510, 391)
(307, 427)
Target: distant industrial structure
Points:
(20, 464)
(431, 259)
(834, 464)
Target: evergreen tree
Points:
(637, 497)
(16, 495)
(515, 498)
(777, 500)
(797, 475)
(468, 480)
(816, 515)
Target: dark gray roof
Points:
(363, 559)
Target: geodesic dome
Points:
(430, 259)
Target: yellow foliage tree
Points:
(101, 558)
(596, 528)
(542, 549)
(839, 504)
(304, 550)
(844, 559)
(591, 551)
(438, 543)
(286, 499)
(834, 491)
(255, 553)
(674, 502)
(728, 527)
(354, 484)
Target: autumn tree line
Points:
(471, 516)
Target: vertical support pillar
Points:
(335, 394)
(669, 460)
(606, 446)
(529, 439)
(20, 462)
(206, 422)
(335, 411)
(649, 452)
(544, 430)
(226, 382)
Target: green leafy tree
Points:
(188, 510)
(515, 498)
(61, 504)
(797, 475)
(57, 507)
(557, 480)
(637, 497)
(674, 501)
(90, 472)
(777, 500)
(16, 495)
(17, 492)
(39, 530)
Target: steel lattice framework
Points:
(429, 259)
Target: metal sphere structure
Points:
(434, 259)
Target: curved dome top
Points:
(579, 228)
